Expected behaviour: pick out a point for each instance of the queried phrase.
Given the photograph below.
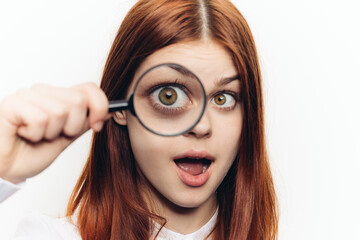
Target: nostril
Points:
(202, 129)
(198, 134)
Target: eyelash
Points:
(161, 84)
(234, 95)
(161, 108)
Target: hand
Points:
(37, 124)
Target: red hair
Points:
(107, 194)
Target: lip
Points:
(195, 154)
(197, 180)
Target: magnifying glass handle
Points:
(118, 105)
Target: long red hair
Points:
(107, 197)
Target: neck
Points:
(179, 219)
(188, 220)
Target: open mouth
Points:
(193, 166)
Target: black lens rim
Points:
(133, 110)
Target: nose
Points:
(202, 129)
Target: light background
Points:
(309, 53)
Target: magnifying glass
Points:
(168, 100)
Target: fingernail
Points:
(97, 126)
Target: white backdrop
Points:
(309, 53)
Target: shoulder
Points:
(39, 227)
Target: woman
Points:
(137, 185)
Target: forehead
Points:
(207, 59)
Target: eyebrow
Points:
(182, 71)
(227, 80)
(220, 82)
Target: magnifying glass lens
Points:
(168, 100)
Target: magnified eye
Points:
(167, 96)
(224, 100)
(170, 99)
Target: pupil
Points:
(220, 99)
(167, 96)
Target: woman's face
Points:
(187, 169)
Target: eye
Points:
(224, 100)
(169, 98)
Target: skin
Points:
(217, 133)
(37, 124)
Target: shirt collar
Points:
(202, 233)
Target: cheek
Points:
(227, 134)
(148, 148)
(227, 128)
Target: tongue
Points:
(190, 166)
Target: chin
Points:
(191, 200)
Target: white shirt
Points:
(41, 227)
(38, 227)
(200, 234)
(7, 189)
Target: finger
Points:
(96, 101)
(77, 118)
(97, 104)
(76, 122)
(26, 119)
(56, 110)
